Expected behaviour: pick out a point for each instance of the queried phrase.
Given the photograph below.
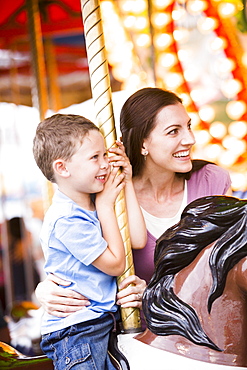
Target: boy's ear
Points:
(59, 168)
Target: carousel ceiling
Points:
(64, 51)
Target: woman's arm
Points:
(62, 302)
(58, 301)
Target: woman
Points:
(156, 133)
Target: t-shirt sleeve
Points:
(82, 238)
(209, 180)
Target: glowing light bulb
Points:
(160, 20)
(213, 151)
(196, 7)
(227, 159)
(227, 10)
(160, 4)
(192, 74)
(236, 146)
(186, 99)
(143, 40)
(141, 23)
(138, 6)
(235, 109)
(129, 21)
(207, 24)
(239, 181)
(167, 60)
(218, 44)
(202, 137)
(120, 72)
(217, 129)
(173, 80)
(244, 59)
(225, 66)
(162, 40)
(238, 129)
(181, 34)
(178, 14)
(195, 119)
(231, 88)
(126, 6)
(196, 95)
(229, 141)
(134, 80)
(107, 6)
(207, 113)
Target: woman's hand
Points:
(58, 301)
(120, 159)
(132, 289)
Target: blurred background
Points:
(196, 48)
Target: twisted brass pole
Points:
(39, 87)
(101, 92)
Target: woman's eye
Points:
(173, 132)
(95, 156)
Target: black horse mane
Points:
(204, 221)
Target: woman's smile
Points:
(182, 154)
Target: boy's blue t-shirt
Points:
(71, 239)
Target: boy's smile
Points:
(102, 178)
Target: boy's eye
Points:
(95, 156)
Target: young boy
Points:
(80, 236)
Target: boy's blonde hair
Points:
(58, 137)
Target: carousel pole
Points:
(54, 91)
(39, 87)
(101, 93)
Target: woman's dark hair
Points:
(137, 120)
(204, 221)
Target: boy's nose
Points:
(104, 164)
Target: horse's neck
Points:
(193, 283)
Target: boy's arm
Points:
(136, 223)
(112, 260)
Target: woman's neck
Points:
(163, 186)
(159, 195)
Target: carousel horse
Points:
(195, 305)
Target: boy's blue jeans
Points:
(82, 346)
